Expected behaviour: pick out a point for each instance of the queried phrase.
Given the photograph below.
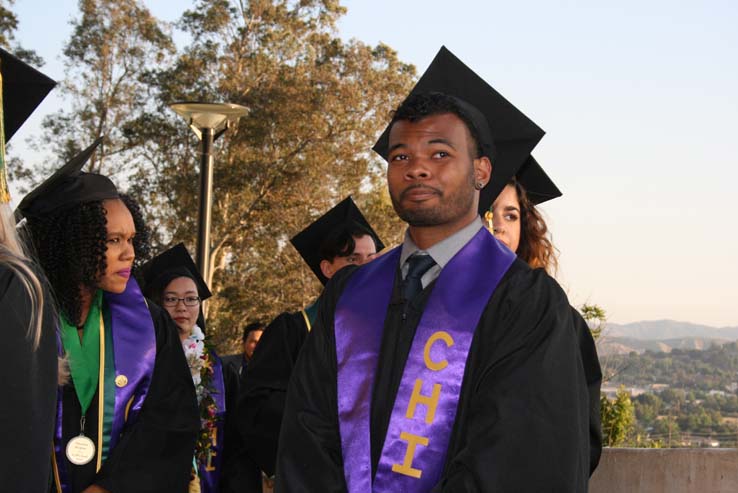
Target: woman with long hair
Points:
(28, 366)
(127, 419)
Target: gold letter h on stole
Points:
(430, 402)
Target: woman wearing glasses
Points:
(171, 279)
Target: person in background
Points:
(172, 280)
(28, 329)
(515, 220)
(250, 339)
(436, 366)
(127, 420)
(341, 237)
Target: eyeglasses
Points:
(187, 300)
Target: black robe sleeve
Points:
(155, 454)
(522, 422)
(29, 391)
(593, 374)
(264, 387)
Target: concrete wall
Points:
(624, 470)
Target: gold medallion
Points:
(80, 450)
(121, 381)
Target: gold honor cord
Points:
(307, 320)
(101, 397)
(4, 190)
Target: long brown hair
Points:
(535, 247)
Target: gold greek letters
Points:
(406, 467)
(430, 402)
(436, 365)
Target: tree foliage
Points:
(8, 26)
(618, 418)
(113, 43)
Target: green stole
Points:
(84, 363)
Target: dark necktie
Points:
(418, 265)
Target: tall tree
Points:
(316, 105)
(112, 43)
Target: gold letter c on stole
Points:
(436, 365)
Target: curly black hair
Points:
(422, 105)
(70, 246)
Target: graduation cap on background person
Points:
(23, 89)
(68, 186)
(308, 241)
(537, 184)
(512, 134)
(158, 272)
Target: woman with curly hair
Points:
(514, 220)
(127, 420)
(518, 224)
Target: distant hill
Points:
(625, 345)
(658, 330)
(662, 336)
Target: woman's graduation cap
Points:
(23, 89)
(68, 186)
(308, 241)
(512, 134)
(176, 262)
(538, 186)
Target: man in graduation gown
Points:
(127, 419)
(341, 237)
(447, 364)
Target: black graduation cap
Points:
(308, 241)
(514, 135)
(69, 185)
(538, 186)
(24, 88)
(176, 262)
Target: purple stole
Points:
(209, 473)
(424, 411)
(134, 352)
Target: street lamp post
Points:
(209, 121)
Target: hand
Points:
(93, 488)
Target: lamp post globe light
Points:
(209, 121)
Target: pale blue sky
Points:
(639, 103)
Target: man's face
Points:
(364, 251)
(250, 343)
(431, 173)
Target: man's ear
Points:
(482, 170)
(326, 268)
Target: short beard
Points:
(441, 214)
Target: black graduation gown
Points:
(522, 422)
(155, 454)
(264, 389)
(239, 473)
(29, 391)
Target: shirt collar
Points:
(443, 251)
